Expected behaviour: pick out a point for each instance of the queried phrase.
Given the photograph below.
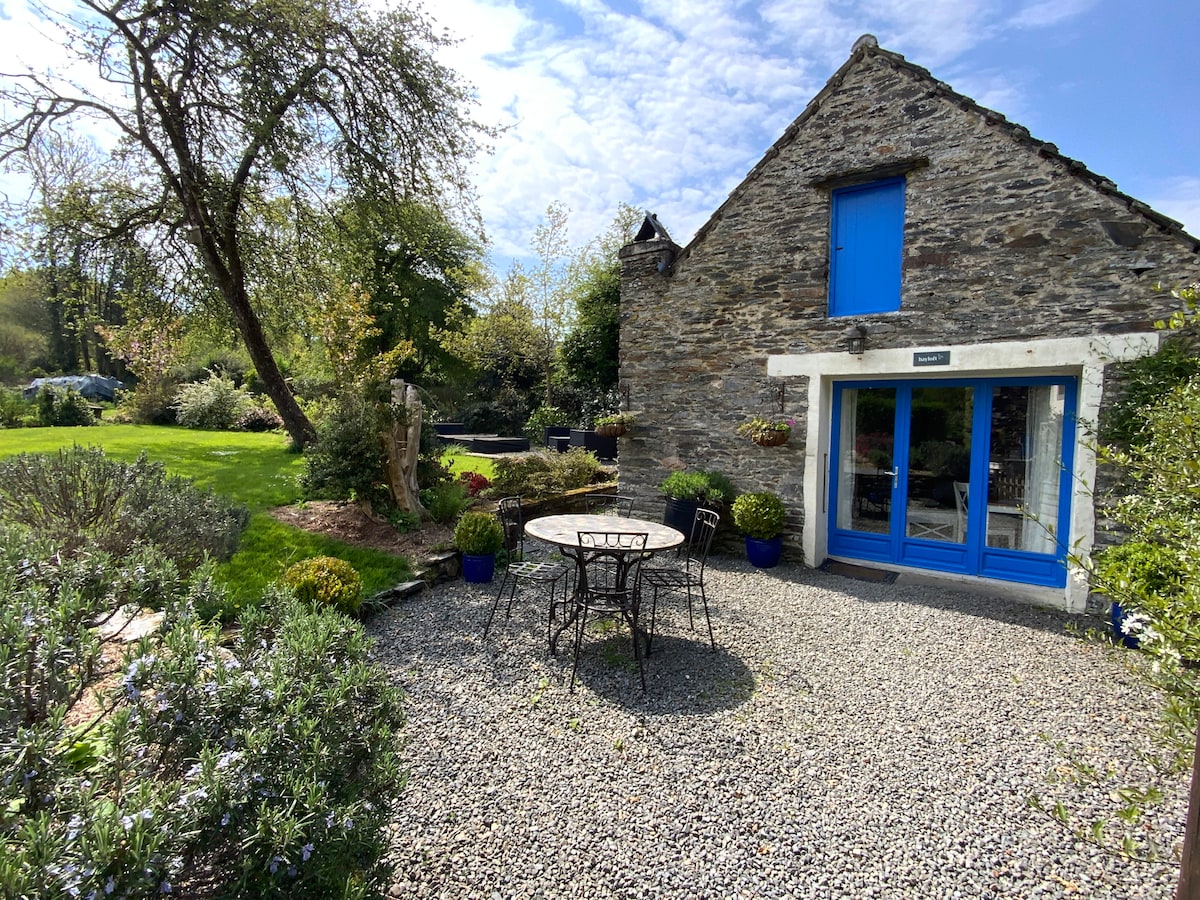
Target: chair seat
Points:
(667, 578)
(537, 571)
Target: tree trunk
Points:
(298, 427)
(1189, 865)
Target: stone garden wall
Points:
(1004, 240)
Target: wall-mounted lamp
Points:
(856, 339)
(624, 392)
(780, 391)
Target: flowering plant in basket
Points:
(615, 425)
(766, 431)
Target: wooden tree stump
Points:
(403, 444)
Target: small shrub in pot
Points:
(759, 515)
(478, 534)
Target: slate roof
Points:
(868, 46)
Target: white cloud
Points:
(1045, 13)
(1178, 198)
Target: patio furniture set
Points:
(611, 560)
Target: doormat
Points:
(861, 573)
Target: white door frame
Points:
(1081, 357)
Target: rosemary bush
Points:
(261, 769)
(79, 498)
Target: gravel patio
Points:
(847, 739)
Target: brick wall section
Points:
(1004, 240)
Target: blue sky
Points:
(667, 104)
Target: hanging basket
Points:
(770, 438)
(611, 430)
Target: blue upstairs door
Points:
(867, 248)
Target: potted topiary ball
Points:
(761, 518)
(479, 536)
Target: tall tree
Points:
(417, 267)
(590, 353)
(223, 101)
(551, 281)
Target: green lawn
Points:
(255, 469)
(460, 461)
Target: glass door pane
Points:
(939, 463)
(1025, 467)
(865, 449)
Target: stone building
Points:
(936, 298)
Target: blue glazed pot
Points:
(478, 569)
(764, 553)
(1117, 615)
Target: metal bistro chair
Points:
(608, 504)
(609, 569)
(689, 579)
(521, 570)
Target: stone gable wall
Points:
(1000, 243)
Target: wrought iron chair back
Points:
(512, 520)
(519, 570)
(688, 579)
(609, 504)
(608, 583)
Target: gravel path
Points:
(847, 739)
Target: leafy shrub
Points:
(445, 502)
(214, 404)
(262, 769)
(326, 581)
(80, 499)
(478, 534)
(506, 415)
(13, 408)
(55, 407)
(348, 457)
(149, 403)
(473, 482)
(258, 418)
(707, 487)
(544, 474)
(1143, 382)
(759, 515)
(542, 418)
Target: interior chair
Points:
(687, 579)
(961, 490)
(608, 505)
(608, 585)
(520, 570)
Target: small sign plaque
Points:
(932, 358)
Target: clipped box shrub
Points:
(479, 534)
(326, 582)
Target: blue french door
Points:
(970, 476)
